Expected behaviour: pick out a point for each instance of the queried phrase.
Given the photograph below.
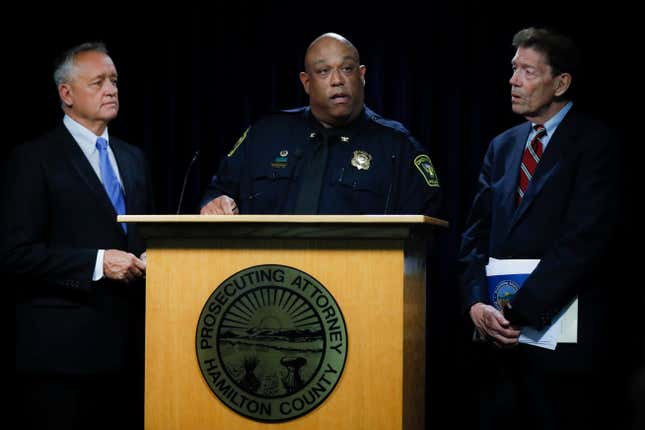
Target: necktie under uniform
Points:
(315, 162)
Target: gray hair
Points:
(67, 61)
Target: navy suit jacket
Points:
(568, 219)
(55, 215)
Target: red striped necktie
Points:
(530, 160)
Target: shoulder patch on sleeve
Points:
(239, 142)
(424, 165)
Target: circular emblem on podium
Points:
(503, 293)
(271, 343)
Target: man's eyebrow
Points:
(99, 76)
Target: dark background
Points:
(194, 78)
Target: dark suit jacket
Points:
(568, 218)
(55, 215)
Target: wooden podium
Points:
(374, 266)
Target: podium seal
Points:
(271, 343)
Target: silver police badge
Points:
(361, 160)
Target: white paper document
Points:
(505, 278)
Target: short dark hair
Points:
(560, 51)
(65, 63)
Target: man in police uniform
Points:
(334, 157)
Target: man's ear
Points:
(361, 70)
(65, 94)
(562, 83)
(304, 78)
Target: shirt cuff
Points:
(98, 267)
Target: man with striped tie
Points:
(549, 190)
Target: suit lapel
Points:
(548, 165)
(512, 172)
(84, 170)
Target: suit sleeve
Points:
(25, 226)
(146, 205)
(474, 249)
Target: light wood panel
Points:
(365, 277)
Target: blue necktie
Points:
(110, 180)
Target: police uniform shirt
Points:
(374, 166)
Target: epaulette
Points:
(389, 123)
(294, 110)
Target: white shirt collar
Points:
(86, 140)
(84, 137)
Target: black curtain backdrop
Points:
(194, 78)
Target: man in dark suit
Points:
(77, 274)
(549, 189)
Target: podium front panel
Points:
(379, 285)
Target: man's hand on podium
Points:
(223, 205)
